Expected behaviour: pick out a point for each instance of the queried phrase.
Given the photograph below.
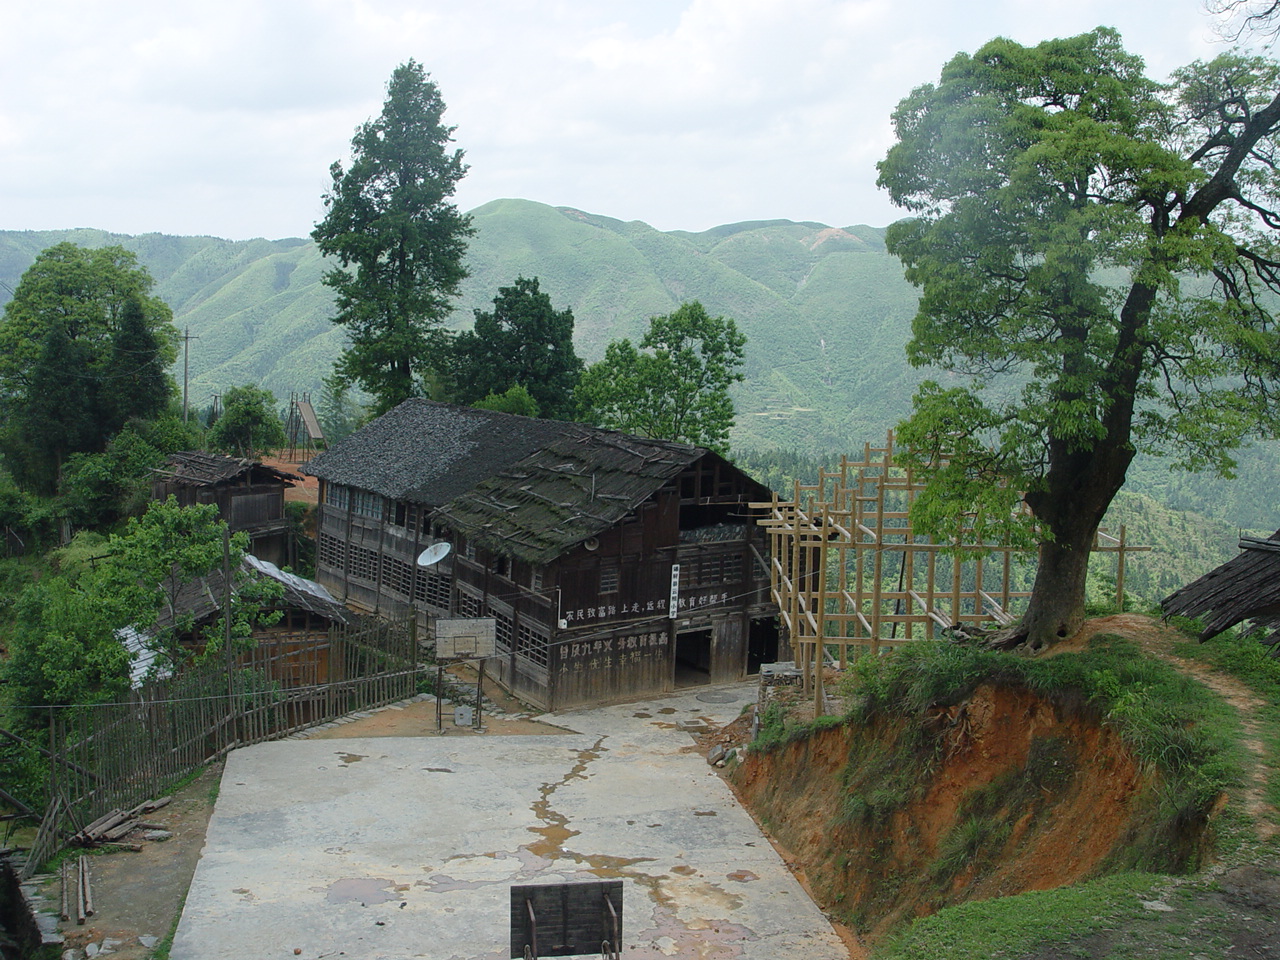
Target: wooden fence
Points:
(115, 756)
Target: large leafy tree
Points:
(675, 386)
(524, 341)
(84, 346)
(1096, 255)
(398, 240)
(249, 424)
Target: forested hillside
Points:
(825, 310)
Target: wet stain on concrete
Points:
(441, 883)
(667, 710)
(438, 770)
(742, 876)
(642, 716)
(362, 890)
(704, 813)
(350, 758)
(684, 870)
(555, 831)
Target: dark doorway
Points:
(693, 658)
(762, 643)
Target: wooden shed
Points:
(575, 540)
(1246, 588)
(249, 495)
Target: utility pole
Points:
(186, 367)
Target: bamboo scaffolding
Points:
(837, 545)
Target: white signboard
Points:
(466, 639)
(674, 605)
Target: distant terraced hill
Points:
(825, 309)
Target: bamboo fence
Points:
(115, 756)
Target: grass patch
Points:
(1016, 926)
(1243, 657)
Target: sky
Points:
(223, 118)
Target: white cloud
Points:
(223, 118)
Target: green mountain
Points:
(825, 309)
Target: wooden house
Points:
(249, 495)
(294, 649)
(1244, 588)
(568, 536)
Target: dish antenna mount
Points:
(434, 554)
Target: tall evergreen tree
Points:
(135, 382)
(398, 240)
(58, 412)
(524, 341)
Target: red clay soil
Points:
(306, 491)
(1019, 794)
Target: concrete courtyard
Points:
(408, 847)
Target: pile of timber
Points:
(77, 887)
(115, 827)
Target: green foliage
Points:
(523, 342)
(249, 424)
(64, 649)
(1076, 228)
(83, 347)
(826, 312)
(680, 390)
(98, 489)
(389, 216)
(516, 400)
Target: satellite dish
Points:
(434, 554)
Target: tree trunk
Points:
(1079, 488)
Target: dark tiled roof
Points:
(429, 453)
(573, 488)
(192, 468)
(1244, 588)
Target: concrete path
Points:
(408, 847)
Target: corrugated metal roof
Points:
(202, 597)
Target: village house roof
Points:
(523, 487)
(428, 453)
(1244, 588)
(572, 489)
(192, 468)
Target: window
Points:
(532, 643)
(397, 575)
(468, 604)
(366, 504)
(331, 551)
(336, 496)
(363, 563)
(609, 580)
(535, 580)
(502, 625)
(433, 589)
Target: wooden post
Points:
(1120, 572)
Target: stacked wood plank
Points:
(115, 826)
